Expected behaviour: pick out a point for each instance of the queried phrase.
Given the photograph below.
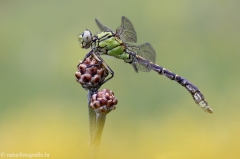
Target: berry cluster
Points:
(91, 73)
(104, 101)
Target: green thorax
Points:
(111, 45)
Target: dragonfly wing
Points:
(142, 67)
(145, 54)
(102, 27)
(126, 31)
(146, 51)
(140, 64)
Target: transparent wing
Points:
(140, 64)
(126, 31)
(142, 68)
(101, 26)
(146, 51)
(146, 54)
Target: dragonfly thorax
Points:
(85, 39)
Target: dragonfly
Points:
(142, 57)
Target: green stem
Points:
(92, 119)
(96, 123)
(96, 138)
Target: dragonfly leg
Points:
(112, 75)
(87, 55)
(100, 62)
(106, 66)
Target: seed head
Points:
(103, 101)
(91, 73)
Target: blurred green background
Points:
(43, 109)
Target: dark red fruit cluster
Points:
(91, 73)
(104, 101)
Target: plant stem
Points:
(96, 124)
(92, 119)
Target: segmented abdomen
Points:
(194, 91)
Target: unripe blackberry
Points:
(91, 73)
(103, 101)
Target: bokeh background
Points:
(43, 109)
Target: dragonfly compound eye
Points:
(85, 39)
(80, 40)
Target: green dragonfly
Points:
(141, 57)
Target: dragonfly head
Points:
(85, 39)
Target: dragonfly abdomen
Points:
(194, 91)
